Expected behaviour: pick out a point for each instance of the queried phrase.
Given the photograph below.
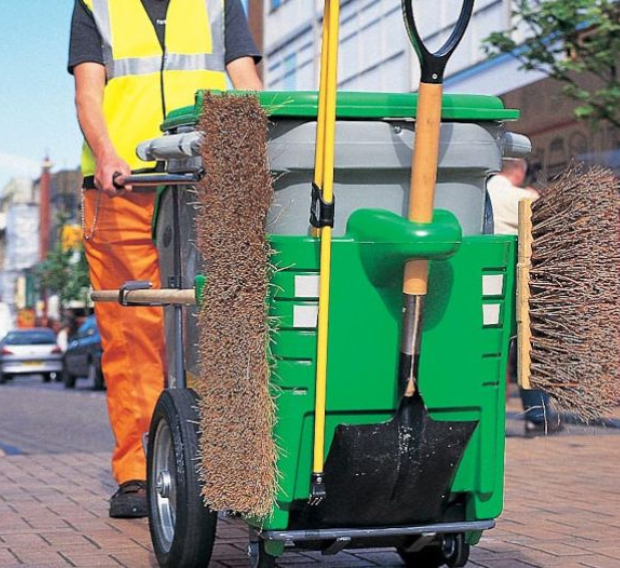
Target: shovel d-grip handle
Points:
(433, 64)
(427, 132)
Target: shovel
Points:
(401, 471)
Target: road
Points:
(40, 418)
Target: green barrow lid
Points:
(362, 106)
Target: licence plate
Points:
(33, 363)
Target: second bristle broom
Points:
(568, 296)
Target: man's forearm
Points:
(243, 74)
(93, 125)
(89, 88)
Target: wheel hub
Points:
(163, 484)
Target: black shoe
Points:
(129, 502)
(544, 428)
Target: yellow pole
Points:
(319, 156)
(327, 100)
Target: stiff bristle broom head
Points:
(569, 329)
(238, 453)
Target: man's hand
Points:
(109, 175)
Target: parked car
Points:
(83, 356)
(29, 352)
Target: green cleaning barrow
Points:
(467, 323)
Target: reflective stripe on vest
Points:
(140, 76)
(174, 62)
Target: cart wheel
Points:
(429, 557)
(182, 527)
(259, 557)
(95, 373)
(455, 550)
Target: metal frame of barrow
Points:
(339, 534)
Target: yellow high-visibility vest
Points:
(143, 81)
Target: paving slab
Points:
(542, 527)
(562, 510)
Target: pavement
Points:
(562, 504)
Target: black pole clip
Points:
(317, 489)
(130, 287)
(321, 212)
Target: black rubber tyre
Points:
(429, 557)
(3, 378)
(94, 370)
(47, 377)
(456, 551)
(259, 558)
(68, 379)
(182, 527)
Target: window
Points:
(290, 72)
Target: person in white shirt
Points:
(505, 192)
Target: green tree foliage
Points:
(567, 39)
(65, 272)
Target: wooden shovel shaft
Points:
(423, 177)
(524, 265)
(166, 296)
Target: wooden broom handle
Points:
(524, 265)
(423, 177)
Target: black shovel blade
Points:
(394, 473)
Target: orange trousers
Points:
(120, 249)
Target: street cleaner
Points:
(133, 60)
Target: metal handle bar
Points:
(434, 64)
(156, 179)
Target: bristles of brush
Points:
(575, 292)
(238, 453)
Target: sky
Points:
(37, 113)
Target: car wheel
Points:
(182, 527)
(47, 377)
(3, 378)
(68, 379)
(94, 371)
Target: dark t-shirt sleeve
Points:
(85, 42)
(238, 39)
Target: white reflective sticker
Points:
(490, 314)
(305, 316)
(492, 284)
(307, 286)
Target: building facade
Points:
(376, 55)
(22, 231)
(375, 52)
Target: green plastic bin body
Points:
(467, 322)
(468, 312)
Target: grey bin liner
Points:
(373, 169)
